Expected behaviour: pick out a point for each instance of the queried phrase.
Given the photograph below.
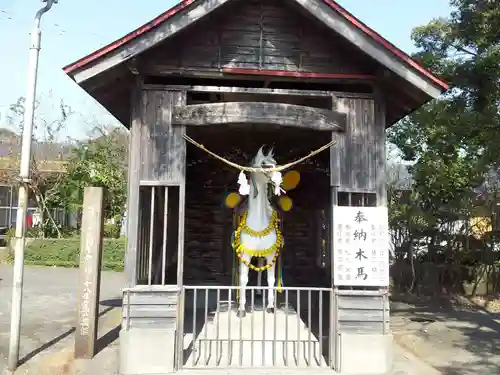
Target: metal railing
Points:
(298, 334)
(8, 216)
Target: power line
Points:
(8, 16)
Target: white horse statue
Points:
(258, 232)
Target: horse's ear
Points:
(259, 156)
(270, 153)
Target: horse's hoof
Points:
(270, 310)
(241, 313)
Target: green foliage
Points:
(464, 49)
(98, 162)
(66, 253)
(452, 142)
(112, 230)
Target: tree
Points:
(100, 161)
(465, 50)
(453, 141)
(47, 156)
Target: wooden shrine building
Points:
(234, 75)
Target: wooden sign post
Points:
(90, 272)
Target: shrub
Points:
(112, 230)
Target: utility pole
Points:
(24, 176)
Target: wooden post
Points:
(90, 272)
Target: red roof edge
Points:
(185, 3)
(385, 43)
(127, 38)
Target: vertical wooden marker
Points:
(90, 272)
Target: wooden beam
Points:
(343, 27)
(147, 40)
(132, 66)
(244, 90)
(258, 90)
(292, 74)
(155, 68)
(260, 113)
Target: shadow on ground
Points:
(108, 338)
(468, 335)
(113, 302)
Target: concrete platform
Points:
(260, 339)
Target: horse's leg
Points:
(243, 283)
(270, 283)
(260, 263)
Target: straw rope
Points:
(254, 169)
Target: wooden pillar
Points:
(380, 125)
(134, 164)
(157, 157)
(90, 272)
(157, 188)
(335, 180)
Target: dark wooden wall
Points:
(163, 149)
(208, 222)
(358, 157)
(260, 34)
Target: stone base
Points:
(147, 351)
(365, 354)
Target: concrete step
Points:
(260, 339)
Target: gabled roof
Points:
(189, 11)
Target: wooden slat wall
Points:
(163, 151)
(358, 155)
(362, 314)
(261, 34)
(152, 309)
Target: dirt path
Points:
(455, 338)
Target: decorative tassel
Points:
(279, 266)
(235, 275)
(279, 279)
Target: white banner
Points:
(361, 246)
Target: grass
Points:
(65, 252)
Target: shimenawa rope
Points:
(254, 169)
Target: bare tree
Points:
(48, 152)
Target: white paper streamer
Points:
(276, 179)
(243, 182)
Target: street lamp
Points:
(24, 176)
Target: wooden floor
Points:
(260, 339)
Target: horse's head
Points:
(261, 178)
(262, 160)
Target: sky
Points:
(73, 29)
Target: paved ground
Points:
(457, 342)
(49, 311)
(453, 336)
